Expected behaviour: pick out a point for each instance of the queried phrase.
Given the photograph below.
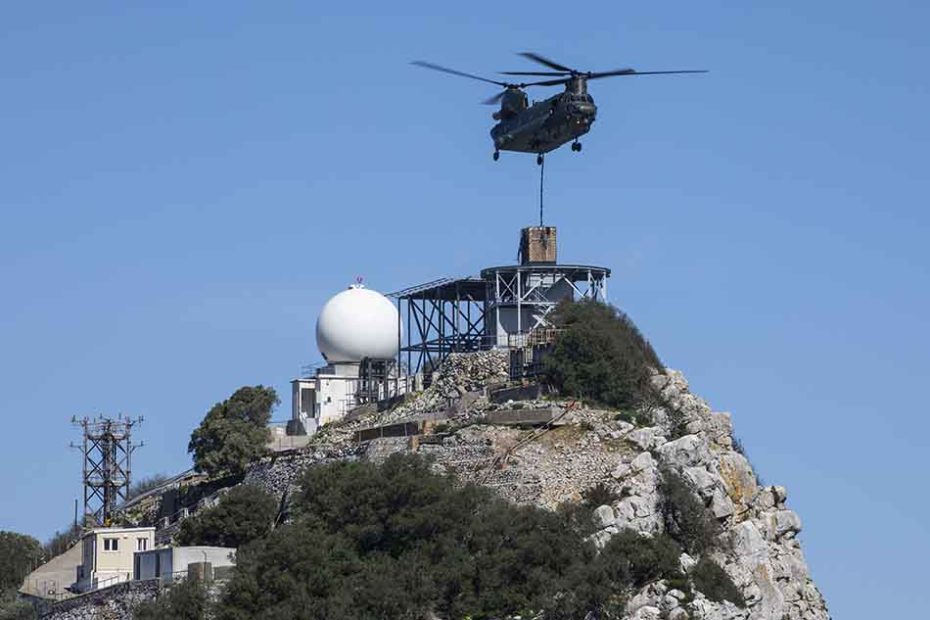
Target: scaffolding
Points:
(107, 469)
(442, 316)
(374, 380)
(520, 298)
(496, 310)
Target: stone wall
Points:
(113, 603)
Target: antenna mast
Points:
(107, 453)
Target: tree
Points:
(61, 541)
(600, 355)
(19, 555)
(244, 514)
(234, 432)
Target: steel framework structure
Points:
(498, 309)
(520, 298)
(107, 472)
(443, 316)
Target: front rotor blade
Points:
(547, 82)
(534, 72)
(594, 76)
(545, 61)
(429, 65)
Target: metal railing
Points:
(112, 581)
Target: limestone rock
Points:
(688, 451)
(604, 516)
(647, 438)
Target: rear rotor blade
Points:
(495, 99)
(429, 65)
(545, 61)
(600, 74)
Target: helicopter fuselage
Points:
(545, 125)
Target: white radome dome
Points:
(355, 324)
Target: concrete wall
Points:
(217, 556)
(171, 562)
(51, 579)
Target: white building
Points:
(357, 330)
(107, 555)
(169, 563)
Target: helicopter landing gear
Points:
(539, 159)
(497, 155)
(576, 146)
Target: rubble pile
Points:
(459, 375)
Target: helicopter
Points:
(546, 125)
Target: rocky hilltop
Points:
(581, 448)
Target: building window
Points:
(111, 544)
(142, 544)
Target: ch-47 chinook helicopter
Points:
(545, 125)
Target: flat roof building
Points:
(170, 563)
(107, 555)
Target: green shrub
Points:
(578, 517)
(599, 495)
(144, 485)
(628, 561)
(12, 609)
(186, 600)
(601, 356)
(627, 416)
(686, 517)
(234, 432)
(715, 583)
(244, 514)
(631, 558)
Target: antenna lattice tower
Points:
(107, 452)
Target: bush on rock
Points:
(601, 356)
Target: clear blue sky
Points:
(183, 185)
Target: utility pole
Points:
(107, 471)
